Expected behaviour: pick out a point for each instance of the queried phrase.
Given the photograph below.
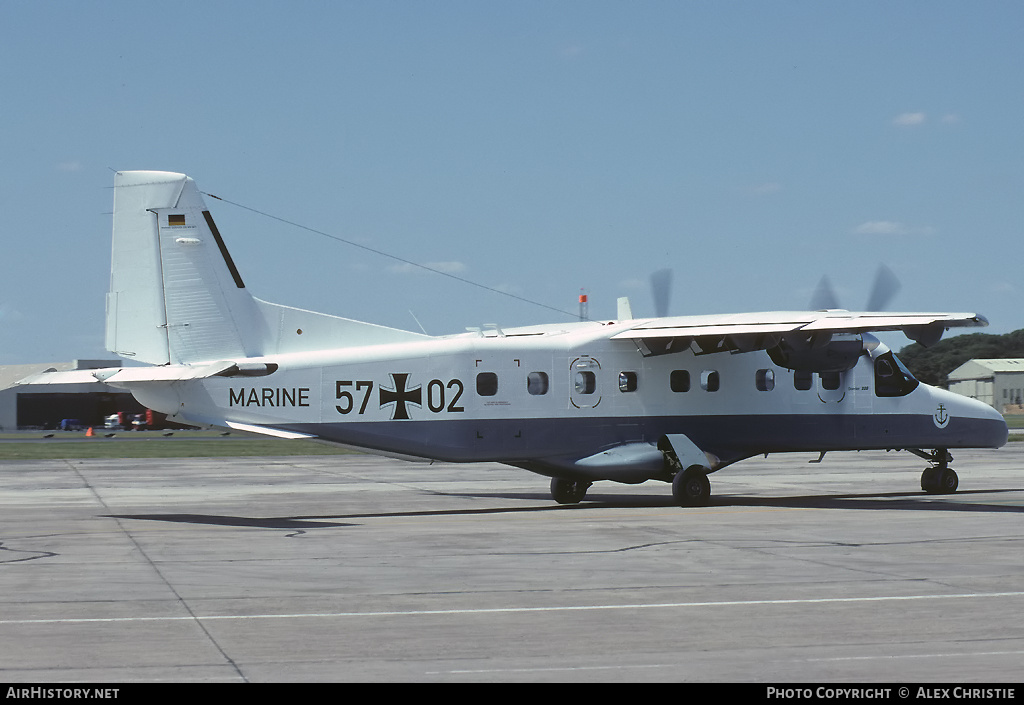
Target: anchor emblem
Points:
(941, 417)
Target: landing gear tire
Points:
(939, 480)
(568, 491)
(691, 487)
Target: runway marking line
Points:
(899, 656)
(520, 610)
(625, 667)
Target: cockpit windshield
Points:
(892, 378)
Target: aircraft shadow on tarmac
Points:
(912, 501)
(322, 521)
(297, 523)
(905, 501)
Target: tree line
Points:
(933, 365)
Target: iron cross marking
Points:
(400, 396)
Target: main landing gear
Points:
(939, 478)
(568, 491)
(691, 487)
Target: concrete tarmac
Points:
(358, 568)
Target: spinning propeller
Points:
(884, 288)
(661, 290)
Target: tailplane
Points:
(176, 295)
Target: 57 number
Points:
(348, 402)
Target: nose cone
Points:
(968, 423)
(998, 429)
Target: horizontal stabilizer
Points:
(118, 376)
(63, 377)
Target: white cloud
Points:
(879, 227)
(889, 227)
(1003, 288)
(909, 119)
(9, 314)
(767, 188)
(451, 267)
(506, 288)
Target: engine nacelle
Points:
(817, 352)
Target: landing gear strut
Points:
(568, 491)
(939, 478)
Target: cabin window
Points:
(892, 379)
(679, 381)
(586, 382)
(173, 219)
(537, 383)
(487, 384)
(627, 381)
(709, 380)
(803, 379)
(765, 380)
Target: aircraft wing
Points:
(758, 331)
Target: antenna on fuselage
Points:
(418, 322)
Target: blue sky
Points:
(535, 148)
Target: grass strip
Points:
(162, 448)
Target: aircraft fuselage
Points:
(546, 397)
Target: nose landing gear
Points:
(939, 478)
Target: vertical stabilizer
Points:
(175, 295)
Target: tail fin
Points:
(177, 297)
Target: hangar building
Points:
(998, 383)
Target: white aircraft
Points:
(628, 400)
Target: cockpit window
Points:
(892, 378)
